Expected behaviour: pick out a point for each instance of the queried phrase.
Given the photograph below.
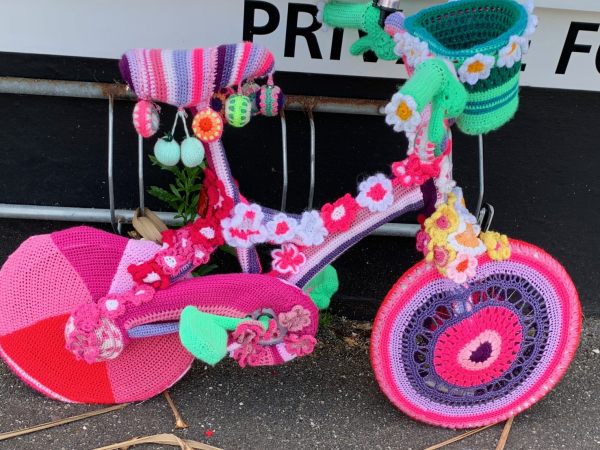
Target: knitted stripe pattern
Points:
(485, 40)
(464, 356)
(186, 78)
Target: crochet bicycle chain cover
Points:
(72, 289)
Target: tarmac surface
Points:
(328, 400)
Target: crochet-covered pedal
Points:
(472, 354)
(485, 40)
(72, 289)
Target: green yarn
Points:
(205, 335)
(433, 82)
(322, 287)
(489, 110)
(238, 110)
(365, 17)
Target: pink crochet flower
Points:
(141, 294)
(200, 256)
(462, 268)
(206, 232)
(296, 319)
(299, 346)
(422, 241)
(339, 215)
(246, 336)
(219, 204)
(375, 193)
(282, 228)
(244, 228)
(169, 238)
(412, 171)
(169, 261)
(112, 306)
(150, 273)
(288, 259)
(86, 317)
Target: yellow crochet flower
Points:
(497, 245)
(441, 223)
(441, 255)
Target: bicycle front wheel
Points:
(476, 354)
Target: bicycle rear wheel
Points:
(472, 355)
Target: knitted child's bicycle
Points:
(477, 332)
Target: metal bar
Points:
(93, 215)
(284, 189)
(481, 178)
(313, 157)
(141, 172)
(96, 90)
(111, 184)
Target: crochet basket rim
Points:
(415, 26)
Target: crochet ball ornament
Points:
(192, 152)
(251, 90)
(466, 356)
(208, 125)
(270, 100)
(238, 110)
(145, 118)
(218, 100)
(167, 151)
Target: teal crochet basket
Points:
(485, 40)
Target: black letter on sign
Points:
(336, 44)
(307, 33)
(570, 45)
(250, 7)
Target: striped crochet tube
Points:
(186, 78)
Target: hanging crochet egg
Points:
(192, 152)
(145, 118)
(238, 110)
(207, 125)
(250, 90)
(270, 100)
(167, 151)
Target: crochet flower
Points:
(288, 259)
(340, 215)
(414, 50)
(320, 11)
(498, 247)
(207, 233)
(512, 53)
(219, 203)
(311, 230)
(245, 349)
(375, 193)
(112, 306)
(141, 294)
(299, 346)
(150, 273)
(422, 241)
(462, 268)
(200, 256)
(458, 202)
(86, 317)
(465, 239)
(440, 254)
(444, 182)
(282, 228)
(532, 19)
(401, 112)
(399, 40)
(441, 223)
(413, 171)
(476, 68)
(169, 238)
(169, 261)
(207, 125)
(296, 319)
(245, 227)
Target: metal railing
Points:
(113, 91)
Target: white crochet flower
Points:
(244, 228)
(528, 5)
(320, 11)
(532, 23)
(414, 50)
(375, 193)
(401, 112)
(311, 229)
(476, 68)
(399, 40)
(444, 182)
(282, 228)
(513, 52)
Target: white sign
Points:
(565, 51)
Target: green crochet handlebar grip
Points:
(434, 82)
(364, 17)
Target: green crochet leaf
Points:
(322, 287)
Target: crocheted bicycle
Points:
(477, 332)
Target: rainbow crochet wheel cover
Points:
(473, 355)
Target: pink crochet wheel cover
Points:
(472, 355)
(49, 276)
